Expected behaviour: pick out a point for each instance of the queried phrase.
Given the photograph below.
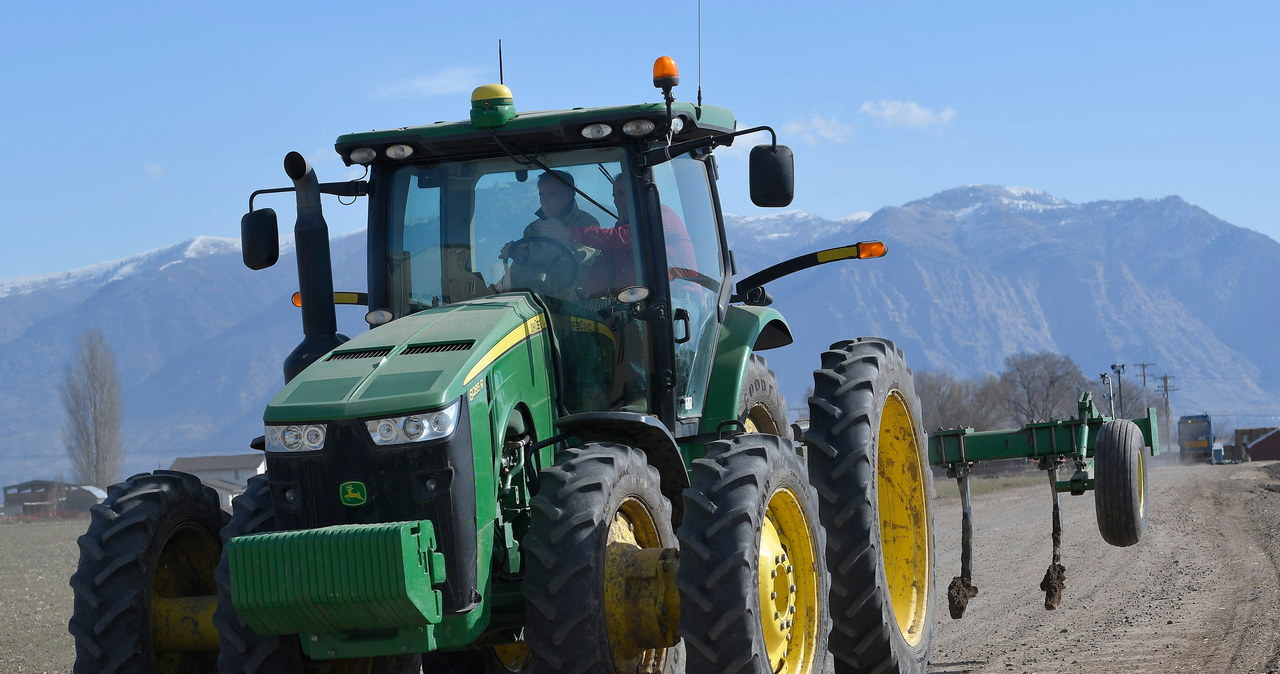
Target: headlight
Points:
(596, 131)
(638, 127)
(296, 438)
(419, 427)
(363, 155)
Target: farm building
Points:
(228, 475)
(1264, 448)
(45, 497)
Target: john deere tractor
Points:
(556, 449)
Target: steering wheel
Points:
(542, 264)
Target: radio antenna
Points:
(500, 80)
(698, 110)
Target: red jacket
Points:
(614, 268)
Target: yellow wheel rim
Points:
(759, 420)
(1142, 483)
(632, 530)
(184, 571)
(904, 518)
(512, 657)
(788, 586)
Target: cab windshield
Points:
(460, 230)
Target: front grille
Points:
(355, 355)
(419, 349)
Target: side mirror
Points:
(773, 176)
(259, 239)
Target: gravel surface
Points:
(36, 563)
(1201, 592)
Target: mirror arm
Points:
(350, 188)
(666, 153)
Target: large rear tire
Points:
(596, 510)
(753, 579)
(869, 462)
(762, 407)
(1120, 488)
(242, 650)
(155, 537)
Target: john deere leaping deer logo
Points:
(353, 493)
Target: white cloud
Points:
(819, 130)
(443, 83)
(906, 113)
(153, 169)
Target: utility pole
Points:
(1111, 395)
(1118, 368)
(1166, 389)
(1144, 367)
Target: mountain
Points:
(973, 274)
(976, 273)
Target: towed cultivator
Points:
(1113, 447)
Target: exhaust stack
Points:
(315, 271)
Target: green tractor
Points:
(557, 449)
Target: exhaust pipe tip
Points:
(296, 166)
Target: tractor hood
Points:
(416, 363)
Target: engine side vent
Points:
(419, 349)
(355, 355)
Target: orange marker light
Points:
(665, 73)
(297, 299)
(868, 249)
(665, 66)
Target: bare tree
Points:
(91, 398)
(949, 402)
(1042, 386)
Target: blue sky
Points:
(130, 126)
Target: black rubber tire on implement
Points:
(245, 651)
(579, 500)
(868, 459)
(749, 500)
(154, 533)
(1119, 495)
(762, 408)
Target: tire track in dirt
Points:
(1199, 593)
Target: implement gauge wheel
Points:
(599, 584)
(154, 539)
(1120, 486)
(753, 578)
(868, 461)
(242, 649)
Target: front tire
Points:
(155, 537)
(597, 510)
(869, 464)
(753, 578)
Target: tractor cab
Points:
(630, 267)
(606, 218)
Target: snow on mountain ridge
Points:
(115, 270)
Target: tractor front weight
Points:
(1111, 447)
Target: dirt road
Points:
(1201, 592)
